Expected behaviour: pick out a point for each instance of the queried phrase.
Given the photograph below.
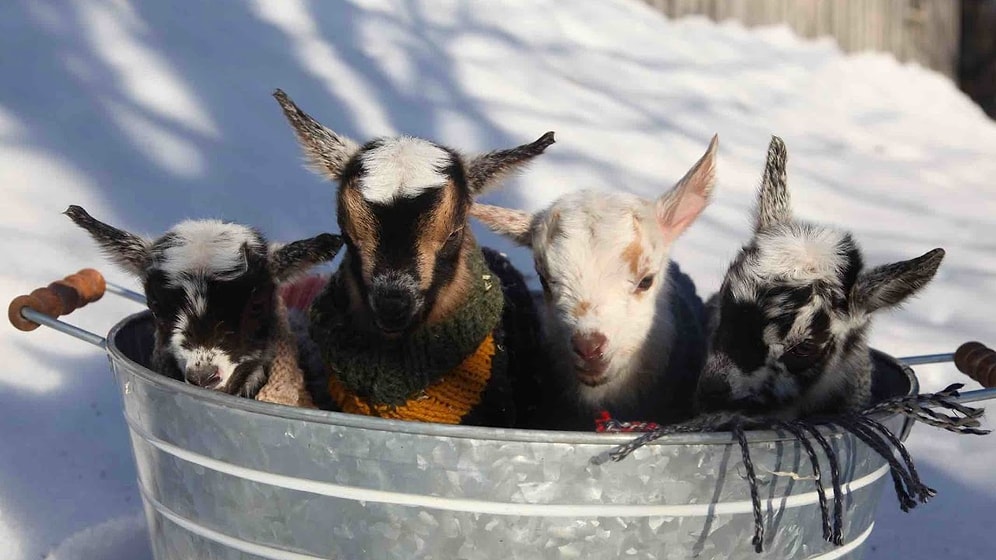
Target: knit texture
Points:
(392, 371)
(285, 384)
(297, 296)
(528, 364)
(445, 401)
(687, 357)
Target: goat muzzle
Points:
(206, 376)
(590, 347)
(393, 309)
(713, 393)
(589, 358)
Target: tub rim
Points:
(496, 435)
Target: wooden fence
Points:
(925, 31)
(977, 64)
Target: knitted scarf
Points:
(393, 371)
(285, 384)
(445, 401)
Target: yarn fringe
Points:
(940, 410)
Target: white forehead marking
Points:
(206, 247)
(402, 167)
(800, 254)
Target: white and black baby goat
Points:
(789, 323)
(623, 324)
(212, 289)
(418, 323)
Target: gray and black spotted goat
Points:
(622, 323)
(419, 323)
(789, 324)
(212, 288)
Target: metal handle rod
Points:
(125, 293)
(966, 397)
(66, 328)
(927, 359)
(976, 396)
(74, 331)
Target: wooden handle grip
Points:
(977, 361)
(59, 298)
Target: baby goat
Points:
(418, 323)
(788, 326)
(211, 288)
(624, 323)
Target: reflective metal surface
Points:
(224, 478)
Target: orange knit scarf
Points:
(445, 401)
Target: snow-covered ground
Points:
(149, 112)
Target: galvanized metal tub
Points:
(224, 478)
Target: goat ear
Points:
(513, 224)
(485, 170)
(131, 252)
(287, 261)
(774, 203)
(678, 208)
(889, 285)
(325, 151)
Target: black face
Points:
(198, 316)
(402, 253)
(758, 361)
(769, 350)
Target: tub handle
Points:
(45, 305)
(59, 298)
(977, 361)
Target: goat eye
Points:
(801, 356)
(803, 349)
(153, 304)
(257, 304)
(544, 283)
(451, 246)
(454, 235)
(645, 283)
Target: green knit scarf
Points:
(391, 371)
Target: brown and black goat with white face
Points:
(212, 289)
(415, 297)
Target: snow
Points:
(149, 113)
(122, 537)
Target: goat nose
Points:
(203, 375)
(589, 346)
(393, 308)
(713, 389)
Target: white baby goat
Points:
(622, 323)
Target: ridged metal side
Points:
(229, 478)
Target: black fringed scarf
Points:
(910, 489)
